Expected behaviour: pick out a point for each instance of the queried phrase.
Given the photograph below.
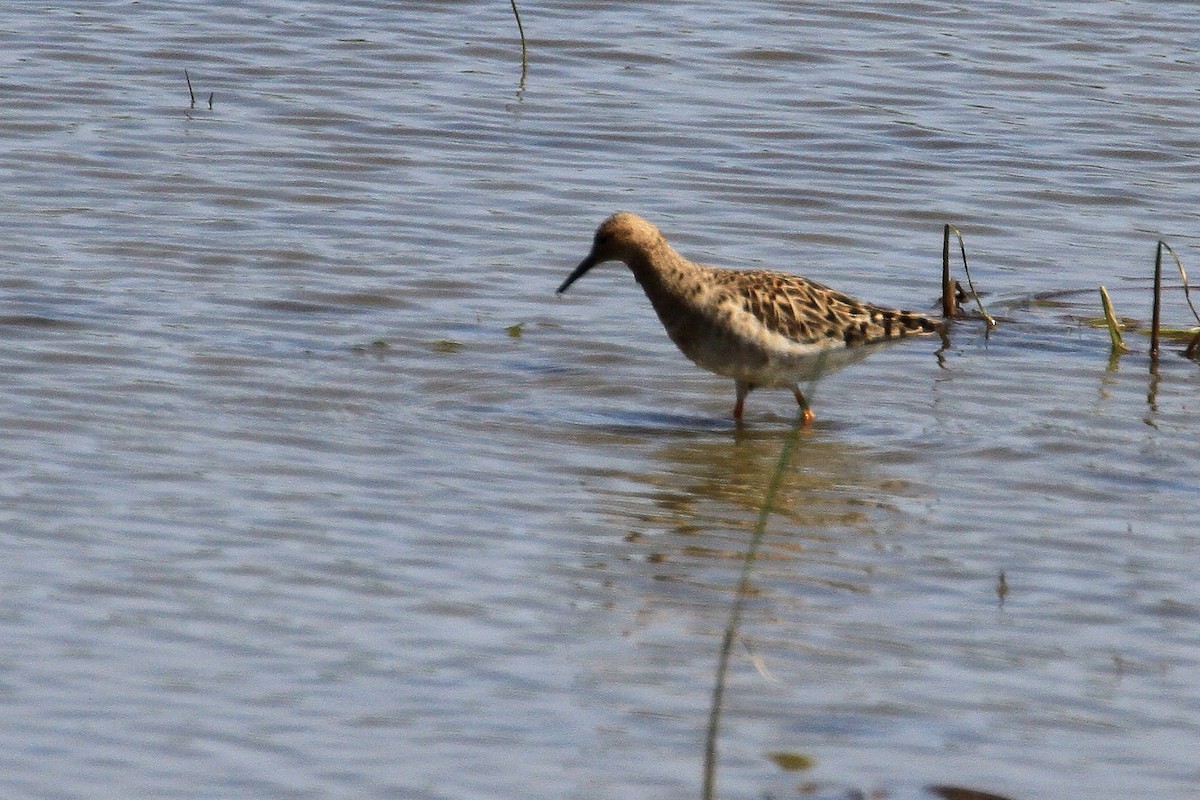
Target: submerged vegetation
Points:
(1155, 330)
(953, 296)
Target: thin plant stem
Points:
(1194, 344)
(191, 94)
(1183, 277)
(521, 31)
(739, 604)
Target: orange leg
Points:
(805, 411)
(743, 389)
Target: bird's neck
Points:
(666, 276)
(676, 288)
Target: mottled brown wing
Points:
(808, 312)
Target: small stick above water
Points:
(949, 303)
(521, 30)
(1154, 315)
(192, 94)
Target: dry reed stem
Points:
(191, 94)
(1155, 313)
(949, 302)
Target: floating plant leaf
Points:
(792, 762)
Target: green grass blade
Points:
(739, 603)
(1114, 327)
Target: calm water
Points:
(313, 489)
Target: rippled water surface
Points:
(312, 488)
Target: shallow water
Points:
(313, 488)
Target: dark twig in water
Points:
(1154, 316)
(949, 301)
(524, 51)
(210, 99)
(191, 94)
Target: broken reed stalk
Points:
(991, 323)
(210, 99)
(1114, 327)
(521, 30)
(739, 602)
(949, 302)
(191, 94)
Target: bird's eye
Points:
(602, 239)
